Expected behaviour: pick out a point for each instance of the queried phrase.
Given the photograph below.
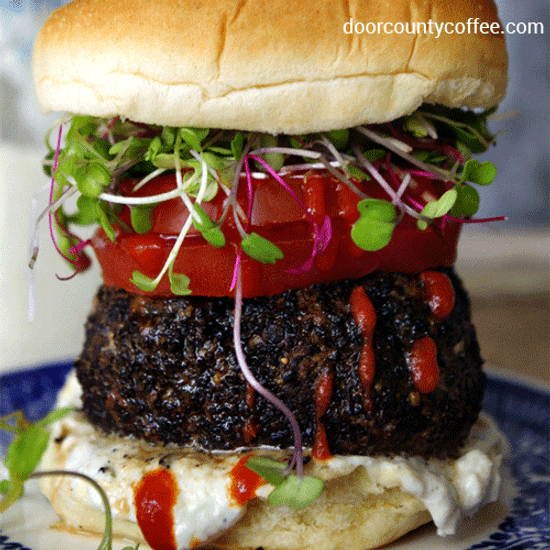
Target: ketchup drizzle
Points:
(244, 482)
(250, 428)
(365, 317)
(154, 497)
(439, 293)
(323, 395)
(422, 361)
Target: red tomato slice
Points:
(278, 217)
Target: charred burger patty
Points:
(165, 369)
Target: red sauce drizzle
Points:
(365, 317)
(439, 293)
(422, 361)
(323, 395)
(250, 428)
(155, 496)
(244, 482)
(250, 395)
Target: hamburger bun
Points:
(265, 65)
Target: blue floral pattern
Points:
(521, 411)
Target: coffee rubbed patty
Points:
(165, 369)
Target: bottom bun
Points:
(367, 501)
(344, 517)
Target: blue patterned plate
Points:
(519, 521)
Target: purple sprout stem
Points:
(50, 214)
(298, 457)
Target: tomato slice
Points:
(278, 217)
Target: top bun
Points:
(265, 65)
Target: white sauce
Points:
(204, 509)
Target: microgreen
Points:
(469, 128)
(261, 249)
(374, 228)
(297, 459)
(98, 154)
(482, 174)
(438, 208)
(289, 489)
(467, 201)
(24, 452)
(141, 218)
(209, 230)
(24, 455)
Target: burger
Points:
(281, 355)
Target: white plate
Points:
(519, 521)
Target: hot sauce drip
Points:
(365, 316)
(244, 482)
(154, 497)
(323, 395)
(422, 361)
(439, 293)
(250, 428)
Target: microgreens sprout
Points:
(434, 142)
(298, 490)
(24, 455)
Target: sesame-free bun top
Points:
(277, 66)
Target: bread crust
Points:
(349, 514)
(262, 64)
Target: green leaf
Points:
(371, 234)
(377, 209)
(467, 203)
(193, 137)
(25, 452)
(463, 150)
(164, 160)
(86, 213)
(339, 138)
(261, 249)
(212, 233)
(82, 125)
(438, 208)
(102, 147)
(237, 144)
(4, 486)
(143, 282)
(269, 469)
(152, 151)
(54, 416)
(141, 217)
(372, 155)
(103, 218)
(482, 174)
(94, 180)
(179, 284)
(431, 157)
(374, 228)
(168, 136)
(275, 160)
(357, 173)
(14, 489)
(414, 126)
(296, 494)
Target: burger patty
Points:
(165, 370)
